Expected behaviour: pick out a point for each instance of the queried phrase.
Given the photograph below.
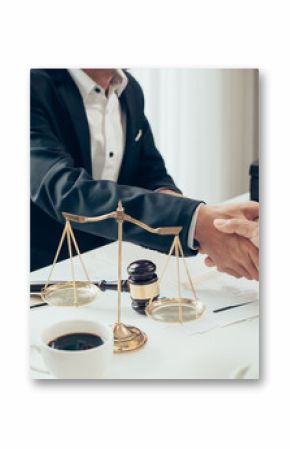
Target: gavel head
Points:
(143, 284)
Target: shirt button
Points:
(111, 154)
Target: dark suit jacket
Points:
(61, 173)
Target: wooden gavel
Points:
(142, 284)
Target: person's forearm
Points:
(60, 187)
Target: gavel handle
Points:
(37, 286)
(112, 285)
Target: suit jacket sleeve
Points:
(59, 185)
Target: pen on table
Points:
(38, 305)
(222, 309)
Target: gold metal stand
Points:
(126, 338)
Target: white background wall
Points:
(205, 123)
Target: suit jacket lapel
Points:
(74, 104)
(127, 104)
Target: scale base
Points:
(127, 338)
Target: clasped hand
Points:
(223, 243)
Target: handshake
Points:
(229, 236)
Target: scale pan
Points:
(63, 295)
(175, 310)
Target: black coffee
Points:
(79, 341)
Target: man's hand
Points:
(230, 253)
(240, 226)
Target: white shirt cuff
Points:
(191, 232)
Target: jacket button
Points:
(111, 154)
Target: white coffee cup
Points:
(84, 364)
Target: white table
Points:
(170, 353)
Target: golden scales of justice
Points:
(78, 293)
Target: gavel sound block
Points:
(142, 284)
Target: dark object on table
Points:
(37, 286)
(143, 284)
(223, 309)
(254, 181)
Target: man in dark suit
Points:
(91, 145)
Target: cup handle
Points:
(34, 367)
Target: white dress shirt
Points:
(107, 126)
(107, 123)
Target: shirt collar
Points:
(86, 85)
(120, 81)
